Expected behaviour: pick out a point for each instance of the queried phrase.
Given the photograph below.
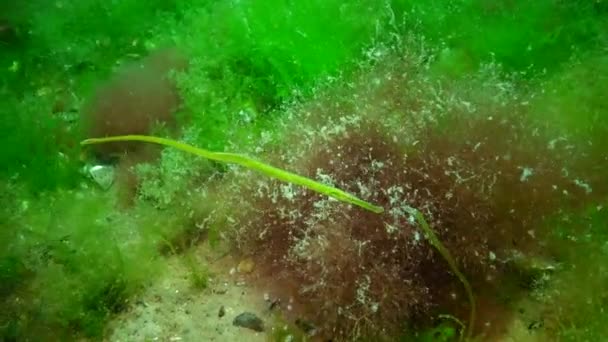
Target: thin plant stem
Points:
(247, 162)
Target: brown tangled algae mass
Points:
(139, 97)
(463, 152)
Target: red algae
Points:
(485, 179)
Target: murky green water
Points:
(454, 155)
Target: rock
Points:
(250, 321)
(103, 175)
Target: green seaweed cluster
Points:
(65, 267)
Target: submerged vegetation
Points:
(487, 117)
(247, 162)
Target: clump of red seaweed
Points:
(483, 175)
(137, 97)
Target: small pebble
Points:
(250, 321)
(103, 175)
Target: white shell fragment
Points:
(103, 175)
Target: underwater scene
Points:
(304, 170)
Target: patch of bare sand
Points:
(172, 309)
